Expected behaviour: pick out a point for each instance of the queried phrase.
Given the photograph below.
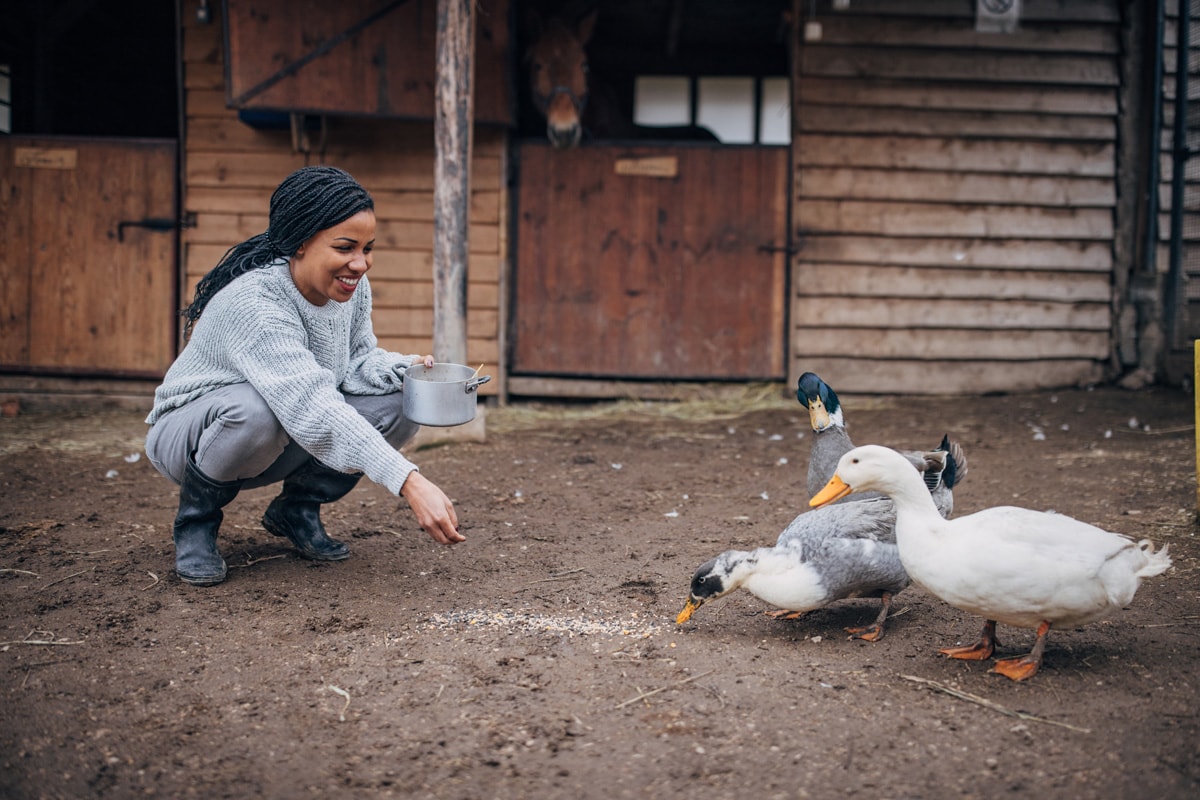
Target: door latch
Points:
(155, 224)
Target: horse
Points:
(558, 74)
(560, 87)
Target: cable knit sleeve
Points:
(372, 370)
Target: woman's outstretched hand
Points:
(433, 509)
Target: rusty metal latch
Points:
(155, 224)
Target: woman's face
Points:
(328, 266)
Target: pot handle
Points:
(475, 383)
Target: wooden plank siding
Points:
(953, 197)
(1186, 330)
(230, 170)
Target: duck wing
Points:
(852, 567)
(873, 519)
(809, 575)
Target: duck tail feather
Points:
(933, 471)
(956, 467)
(1157, 562)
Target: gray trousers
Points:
(235, 437)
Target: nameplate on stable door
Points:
(45, 157)
(651, 166)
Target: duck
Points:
(831, 441)
(838, 552)
(1010, 565)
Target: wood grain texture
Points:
(953, 197)
(88, 290)
(625, 275)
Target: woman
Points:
(281, 379)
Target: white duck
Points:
(826, 554)
(1030, 569)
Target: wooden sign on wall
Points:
(356, 57)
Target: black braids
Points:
(308, 201)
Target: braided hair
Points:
(308, 201)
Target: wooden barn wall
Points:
(230, 170)
(1183, 328)
(953, 196)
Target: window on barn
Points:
(5, 100)
(737, 110)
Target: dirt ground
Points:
(540, 659)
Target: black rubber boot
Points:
(296, 512)
(197, 560)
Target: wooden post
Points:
(1196, 429)
(453, 121)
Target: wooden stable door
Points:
(651, 262)
(87, 256)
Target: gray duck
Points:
(840, 551)
(831, 441)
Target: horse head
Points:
(558, 74)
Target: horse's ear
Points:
(587, 25)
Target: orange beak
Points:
(687, 612)
(836, 489)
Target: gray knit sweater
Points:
(301, 358)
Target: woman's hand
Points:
(427, 361)
(433, 509)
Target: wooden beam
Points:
(453, 121)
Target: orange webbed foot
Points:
(783, 613)
(1018, 669)
(869, 633)
(1025, 667)
(874, 631)
(981, 650)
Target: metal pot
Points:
(441, 395)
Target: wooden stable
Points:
(956, 212)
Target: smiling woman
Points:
(330, 265)
(282, 380)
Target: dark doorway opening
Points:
(98, 68)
